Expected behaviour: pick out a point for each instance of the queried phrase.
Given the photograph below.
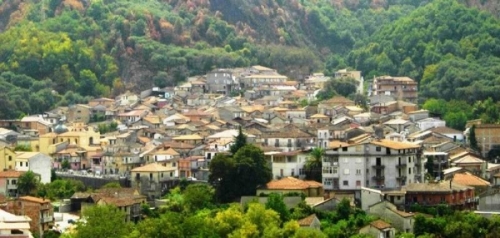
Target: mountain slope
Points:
(451, 58)
(88, 48)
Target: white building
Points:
(377, 163)
(14, 226)
(429, 123)
(37, 162)
(287, 164)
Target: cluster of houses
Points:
(385, 156)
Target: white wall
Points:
(41, 164)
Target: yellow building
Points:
(78, 134)
(7, 158)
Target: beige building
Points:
(401, 88)
(148, 179)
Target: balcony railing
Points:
(402, 165)
(402, 178)
(378, 166)
(378, 177)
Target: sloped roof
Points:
(469, 159)
(11, 174)
(153, 167)
(396, 145)
(440, 187)
(380, 224)
(445, 130)
(34, 199)
(307, 221)
(291, 183)
(188, 137)
(469, 179)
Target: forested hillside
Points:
(61, 51)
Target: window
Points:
(345, 183)
(346, 160)
(378, 148)
(346, 171)
(344, 148)
(358, 161)
(329, 170)
(10, 158)
(358, 183)
(301, 172)
(328, 181)
(358, 171)
(409, 159)
(21, 164)
(409, 170)
(367, 171)
(173, 164)
(27, 164)
(293, 172)
(14, 182)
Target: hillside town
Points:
(383, 155)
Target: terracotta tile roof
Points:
(168, 151)
(178, 145)
(188, 137)
(445, 130)
(34, 199)
(153, 167)
(436, 187)
(469, 159)
(469, 179)
(336, 144)
(396, 145)
(380, 224)
(307, 221)
(11, 174)
(292, 183)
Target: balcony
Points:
(401, 178)
(402, 165)
(378, 177)
(378, 166)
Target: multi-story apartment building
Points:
(403, 88)
(287, 164)
(377, 163)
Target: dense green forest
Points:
(68, 50)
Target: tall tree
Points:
(198, 196)
(102, 221)
(27, 183)
(472, 138)
(314, 164)
(239, 141)
(276, 203)
(239, 174)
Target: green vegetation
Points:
(63, 52)
(456, 113)
(450, 59)
(27, 183)
(313, 166)
(239, 174)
